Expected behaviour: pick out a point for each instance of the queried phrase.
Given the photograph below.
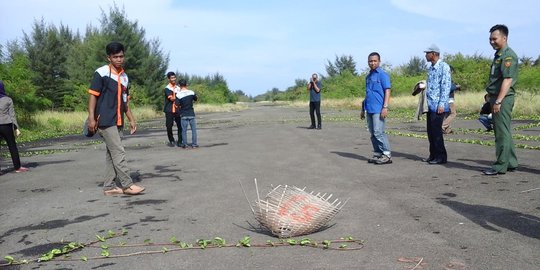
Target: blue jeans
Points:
(486, 121)
(193, 124)
(379, 140)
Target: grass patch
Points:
(227, 107)
(527, 104)
(51, 124)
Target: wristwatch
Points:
(385, 107)
(498, 102)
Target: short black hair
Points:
(114, 48)
(374, 54)
(182, 82)
(501, 27)
(170, 73)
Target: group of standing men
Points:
(109, 102)
(178, 109)
(500, 89)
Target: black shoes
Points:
(494, 172)
(171, 144)
(436, 161)
(311, 127)
(491, 172)
(319, 126)
(433, 161)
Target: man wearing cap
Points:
(500, 88)
(437, 93)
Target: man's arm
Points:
(363, 112)
(384, 111)
(446, 82)
(132, 124)
(92, 123)
(505, 87)
(316, 86)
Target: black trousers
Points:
(437, 151)
(315, 107)
(170, 119)
(6, 133)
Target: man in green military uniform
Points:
(502, 78)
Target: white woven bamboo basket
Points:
(288, 211)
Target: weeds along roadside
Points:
(51, 124)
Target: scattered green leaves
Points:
(219, 242)
(9, 259)
(244, 242)
(200, 243)
(100, 238)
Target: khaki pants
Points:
(449, 119)
(116, 170)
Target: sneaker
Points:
(133, 190)
(195, 146)
(114, 191)
(171, 144)
(373, 159)
(22, 169)
(384, 159)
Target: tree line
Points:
(51, 67)
(344, 80)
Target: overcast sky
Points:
(258, 45)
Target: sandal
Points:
(133, 190)
(22, 169)
(114, 191)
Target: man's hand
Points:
(384, 113)
(362, 115)
(17, 132)
(132, 127)
(440, 110)
(496, 108)
(92, 124)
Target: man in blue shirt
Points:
(438, 90)
(376, 105)
(314, 88)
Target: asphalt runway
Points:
(409, 214)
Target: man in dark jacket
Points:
(172, 114)
(185, 99)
